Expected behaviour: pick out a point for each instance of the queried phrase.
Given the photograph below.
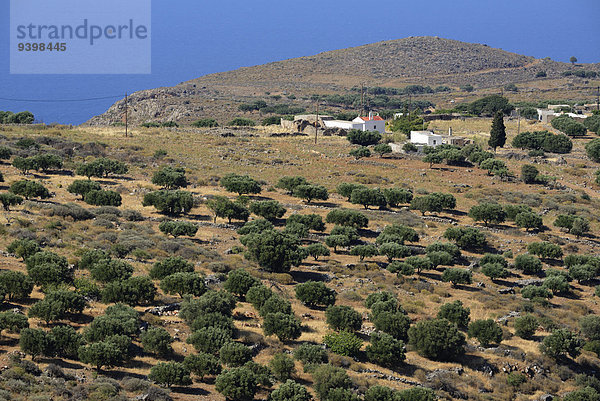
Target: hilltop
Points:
(397, 63)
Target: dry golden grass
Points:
(206, 155)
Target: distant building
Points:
(547, 115)
(425, 138)
(429, 138)
(371, 122)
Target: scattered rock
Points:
(164, 310)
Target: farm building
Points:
(371, 122)
(547, 115)
(425, 138)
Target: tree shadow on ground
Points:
(568, 295)
(503, 283)
(432, 276)
(407, 369)
(307, 329)
(455, 212)
(63, 363)
(8, 342)
(322, 204)
(190, 391)
(120, 375)
(474, 362)
(200, 217)
(366, 233)
(303, 276)
(466, 288)
(138, 364)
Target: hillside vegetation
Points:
(215, 263)
(398, 63)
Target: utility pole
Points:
(126, 120)
(519, 122)
(317, 123)
(598, 99)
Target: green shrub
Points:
(343, 343)
(282, 367)
(437, 339)
(241, 122)
(526, 326)
(385, 350)
(170, 177)
(313, 293)
(486, 331)
(234, 354)
(168, 266)
(178, 228)
(157, 340)
(284, 325)
(202, 364)
(29, 189)
(341, 317)
(205, 122)
(456, 313)
(170, 373)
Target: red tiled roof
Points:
(375, 118)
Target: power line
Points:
(60, 100)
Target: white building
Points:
(425, 138)
(370, 123)
(347, 125)
(547, 115)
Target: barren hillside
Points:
(398, 63)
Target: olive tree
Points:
(268, 209)
(202, 364)
(456, 313)
(225, 208)
(314, 293)
(488, 213)
(283, 325)
(170, 177)
(486, 331)
(457, 276)
(342, 317)
(237, 384)
(82, 187)
(9, 199)
(102, 198)
(178, 228)
(311, 192)
(183, 283)
(436, 339)
(170, 202)
(29, 189)
(240, 184)
(273, 251)
(157, 340)
(239, 282)
(385, 350)
(170, 373)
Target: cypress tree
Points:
(498, 132)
